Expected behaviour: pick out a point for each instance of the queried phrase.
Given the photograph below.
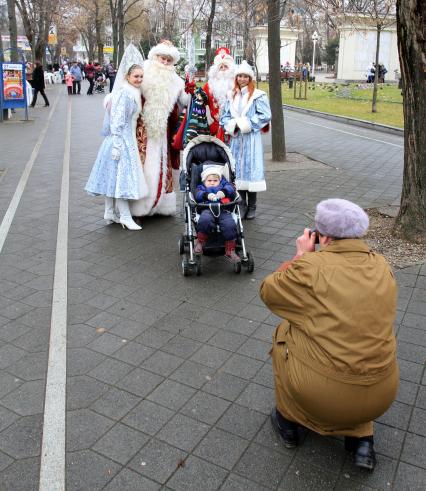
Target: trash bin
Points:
(290, 83)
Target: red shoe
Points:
(230, 251)
(201, 241)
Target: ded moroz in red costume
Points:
(220, 82)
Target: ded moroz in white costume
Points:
(161, 89)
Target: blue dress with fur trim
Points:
(121, 178)
(243, 118)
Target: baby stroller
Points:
(100, 83)
(201, 149)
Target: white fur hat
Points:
(244, 69)
(165, 48)
(341, 219)
(211, 170)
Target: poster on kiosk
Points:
(13, 93)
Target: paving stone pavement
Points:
(169, 383)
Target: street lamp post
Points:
(314, 40)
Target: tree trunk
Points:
(411, 220)
(208, 58)
(376, 72)
(1, 48)
(120, 18)
(274, 45)
(13, 30)
(114, 27)
(98, 31)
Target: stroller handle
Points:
(204, 206)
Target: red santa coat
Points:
(215, 129)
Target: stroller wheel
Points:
(237, 268)
(250, 262)
(181, 245)
(186, 267)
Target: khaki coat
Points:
(334, 355)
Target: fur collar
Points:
(135, 93)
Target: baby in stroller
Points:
(100, 82)
(215, 188)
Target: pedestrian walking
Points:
(245, 115)
(117, 173)
(111, 73)
(334, 354)
(89, 70)
(38, 84)
(69, 81)
(75, 71)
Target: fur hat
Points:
(211, 170)
(165, 48)
(341, 219)
(244, 69)
(223, 56)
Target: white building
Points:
(357, 50)
(287, 52)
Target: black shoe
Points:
(363, 452)
(251, 213)
(286, 429)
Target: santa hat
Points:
(211, 170)
(244, 69)
(223, 56)
(165, 48)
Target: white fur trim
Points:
(166, 205)
(256, 94)
(156, 154)
(207, 138)
(166, 50)
(223, 59)
(253, 187)
(244, 124)
(230, 126)
(210, 120)
(244, 69)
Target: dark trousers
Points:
(207, 224)
(91, 84)
(36, 91)
(69, 88)
(111, 83)
(76, 84)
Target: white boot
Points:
(110, 215)
(126, 219)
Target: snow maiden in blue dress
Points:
(117, 173)
(245, 115)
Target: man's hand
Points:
(305, 243)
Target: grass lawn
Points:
(353, 100)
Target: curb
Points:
(392, 130)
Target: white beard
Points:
(220, 84)
(160, 90)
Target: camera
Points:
(311, 231)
